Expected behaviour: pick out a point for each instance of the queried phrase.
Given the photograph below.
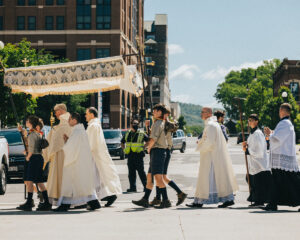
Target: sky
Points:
(207, 39)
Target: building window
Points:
(49, 2)
(21, 23)
(102, 52)
(1, 2)
(83, 54)
(31, 2)
(21, 2)
(103, 14)
(156, 93)
(31, 23)
(83, 14)
(49, 23)
(1, 22)
(60, 2)
(60, 22)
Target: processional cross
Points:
(25, 61)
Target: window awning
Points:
(80, 77)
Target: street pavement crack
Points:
(181, 228)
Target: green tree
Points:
(181, 122)
(11, 57)
(256, 89)
(195, 130)
(270, 112)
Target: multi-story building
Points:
(288, 74)
(80, 30)
(175, 110)
(156, 52)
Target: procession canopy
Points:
(80, 77)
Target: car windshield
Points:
(13, 138)
(112, 134)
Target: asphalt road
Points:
(126, 221)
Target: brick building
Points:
(156, 49)
(80, 30)
(288, 74)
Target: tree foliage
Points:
(256, 90)
(181, 122)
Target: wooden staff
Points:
(243, 136)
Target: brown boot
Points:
(155, 202)
(181, 197)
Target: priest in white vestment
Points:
(108, 183)
(55, 154)
(216, 180)
(78, 181)
(284, 164)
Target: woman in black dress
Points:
(33, 172)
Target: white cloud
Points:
(185, 71)
(175, 49)
(219, 73)
(184, 98)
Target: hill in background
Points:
(191, 113)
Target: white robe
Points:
(283, 147)
(216, 179)
(55, 154)
(109, 183)
(258, 158)
(78, 185)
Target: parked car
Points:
(240, 137)
(113, 139)
(4, 164)
(189, 135)
(179, 141)
(16, 152)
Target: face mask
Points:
(135, 127)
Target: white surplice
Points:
(216, 179)
(258, 158)
(108, 182)
(78, 185)
(283, 147)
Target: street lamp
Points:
(284, 95)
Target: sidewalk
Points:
(125, 221)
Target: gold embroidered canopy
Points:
(88, 76)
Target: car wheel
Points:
(183, 148)
(3, 179)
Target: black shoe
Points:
(27, 206)
(129, 190)
(270, 207)
(256, 204)
(44, 207)
(181, 197)
(110, 200)
(164, 204)
(226, 204)
(81, 206)
(194, 205)
(142, 203)
(155, 202)
(93, 205)
(62, 208)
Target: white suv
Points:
(179, 141)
